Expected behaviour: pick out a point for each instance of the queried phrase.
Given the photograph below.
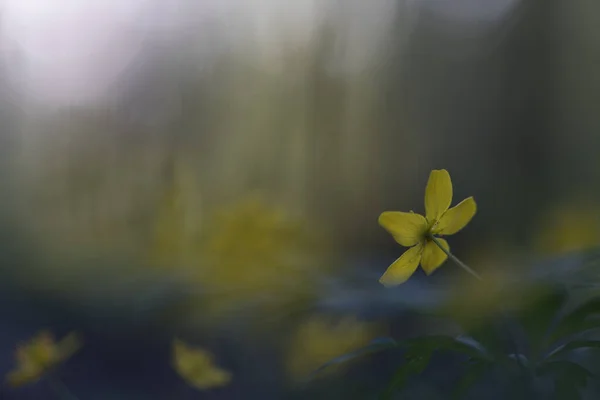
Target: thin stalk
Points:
(456, 260)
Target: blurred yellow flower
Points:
(256, 255)
(568, 227)
(319, 340)
(41, 354)
(197, 368)
(416, 231)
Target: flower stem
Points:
(453, 258)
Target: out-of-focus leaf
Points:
(464, 345)
(566, 348)
(416, 360)
(519, 359)
(569, 378)
(537, 318)
(421, 349)
(489, 335)
(376, 346)
(578, 320)
(472, 373)
(566, 391)
(470, 341)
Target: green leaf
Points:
(463, 344)
(417, 359)
(421, 349)
(472, 374)
(566, 348)
(566, 391)
(568, 369)
(489, 334)
(578, 320)
(538, 316)
(375, 346)
(569, 377)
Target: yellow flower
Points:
(416, 231)
(256, 255)
(246, 256)
(39, 356)
(197, 368)
(319, 340)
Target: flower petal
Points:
(403, 267)
(433, 256)
(407, 228)
(438, 194)
(456, 218)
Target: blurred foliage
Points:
(523, 330)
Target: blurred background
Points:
(214, 170)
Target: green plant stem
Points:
(61, 390)
(455, 259)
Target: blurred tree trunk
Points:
(482, 99)
(577, 32)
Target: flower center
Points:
(431, 227)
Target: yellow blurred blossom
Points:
(568, 227)
(257, 255)
(197, 368)
(417, 232)
(320, 339)
(41, 354)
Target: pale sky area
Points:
(63, 51)
(69, 50)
